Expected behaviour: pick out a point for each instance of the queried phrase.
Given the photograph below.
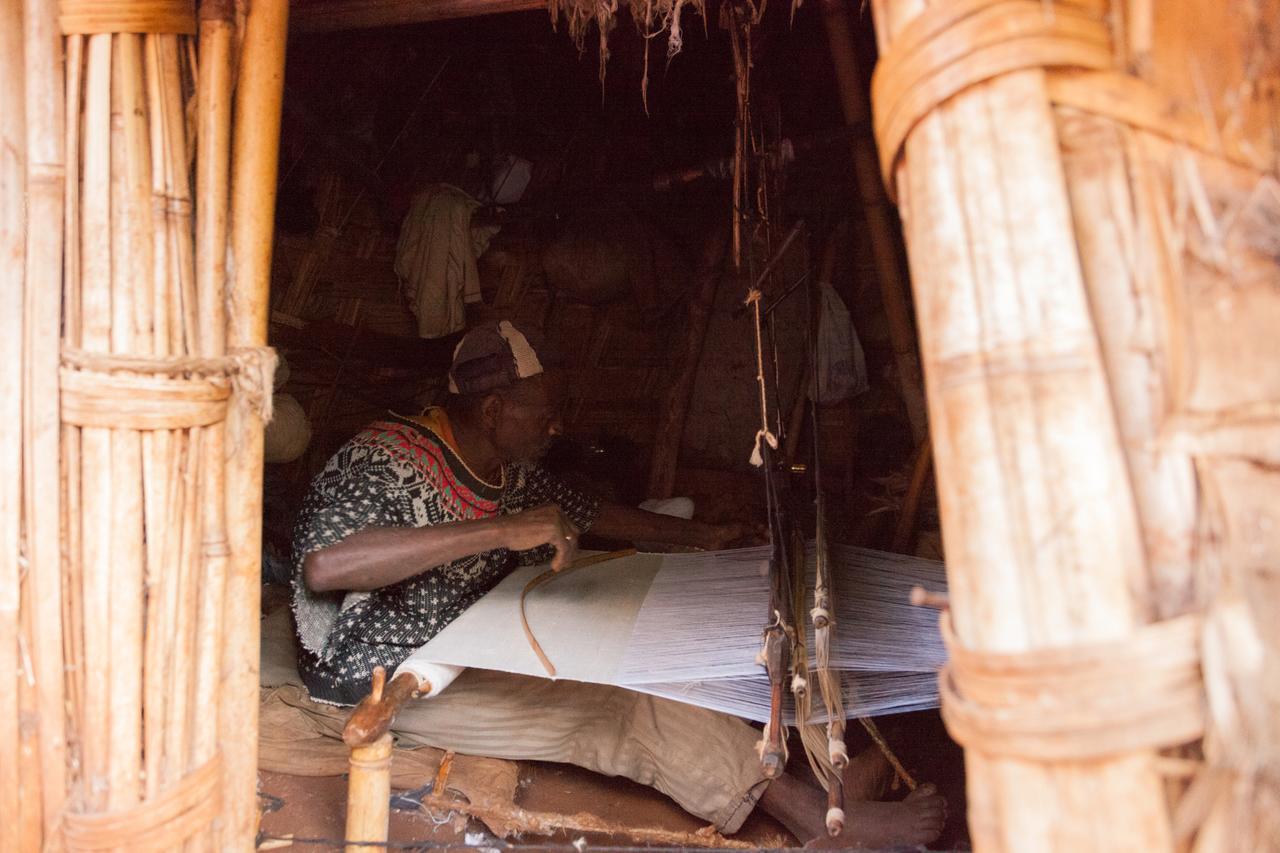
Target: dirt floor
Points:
(308, 813)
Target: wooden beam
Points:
(322, 16)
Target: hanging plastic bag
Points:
(840, 369)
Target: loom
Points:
(687, 627)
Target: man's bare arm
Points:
(380, 556)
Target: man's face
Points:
(528, 419)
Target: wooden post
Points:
(904, 528)
(875, 207)
(42, 50)
(369, 796)
(255, 149)
(1037, 506)
(675, 409)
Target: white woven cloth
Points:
(688, 627)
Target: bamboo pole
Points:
(875, 207)
(72, 557)
(41, 467)
(160, 476)
(12, 250)
(1043, 546)
(665, 457)
(213, 92)
(131, 269)
(95, 443)
(260, 89)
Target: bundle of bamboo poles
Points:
(145, 512)
(128, 602)
(1089, 195)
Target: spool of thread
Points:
(289, 432)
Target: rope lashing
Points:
(144, 393)
(93, 17)
(764, 434)
(1142, 691)
(957, 45)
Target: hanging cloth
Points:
(840, 367)
(436, 259)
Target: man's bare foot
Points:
(917, 819)
(867, 776)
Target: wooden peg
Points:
(373, 717)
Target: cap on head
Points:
(492, 356)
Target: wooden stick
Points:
(255, 149)
(369, 796)
(905, 527)
(665, 456)
(43, 84)
(12, 248)
(885, 239)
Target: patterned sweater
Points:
(403, 472)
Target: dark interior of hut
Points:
(603, 221)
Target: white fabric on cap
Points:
(527, 363)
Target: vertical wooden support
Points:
(369, 796)
(875, 207)
(675, 409)
(41, 475)
(1043, 544)
(255, 151)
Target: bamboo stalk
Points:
(163, 510)
(72, 572)
(260, 89)
(12, 249)
(95, 443)
(179, 708)
(131, 271)
(213, 144)
(41, 469)
(181, 598)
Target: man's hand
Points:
(543, 525)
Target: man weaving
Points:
(415, 519)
